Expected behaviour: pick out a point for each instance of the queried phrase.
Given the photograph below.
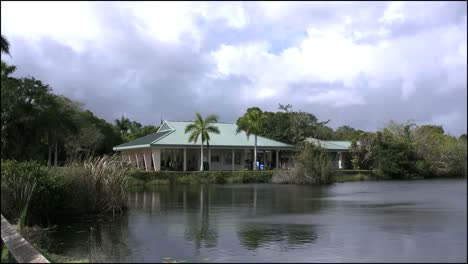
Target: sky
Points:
(360, 64)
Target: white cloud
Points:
(73, 23)
(337, 98)
(393, 13)
(384, 58)
(165, 21)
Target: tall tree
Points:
(347, 133)
(60, 124)
(123, 124)
(202, 128)
(293, 127)
(252, 123)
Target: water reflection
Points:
(198, 228)
(253, 236)
(109, 239)
(358, 222)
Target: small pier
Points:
(19, 250)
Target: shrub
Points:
(19, 186)
(398, 159)
(205, 177)
(312, 165)
(34, 194)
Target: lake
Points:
(387, 221)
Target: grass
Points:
(352, 177)
(147, 179)
(4, 254)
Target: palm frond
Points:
(4, 45)
(211, 119)
(199, 119)
(212, 129)
(194, 136)
(190, 128)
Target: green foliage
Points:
(26, 107)
(397, 159)
(439, 155)
(347, 133)
(123, 124)
(37, 124)
(19, 181)
(205, 177)
(4, 254)
(98, 186)
(4, 45)
(292, 127)
(311, 166)
(106, 178)
(403, 151)
(364, 153)
(202, 128)
(131, 130)
(139, 132)
(252, 122)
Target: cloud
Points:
(356, 63)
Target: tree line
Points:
(37, 124)
(397, 151)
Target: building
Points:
(169, 149)
(335, 148)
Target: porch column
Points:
(209, 159)
(233, 159)
(137, 159)
(277, 159)
(131, 156)
(340, 159)
(156, 155)
(127, 153)
(185, 161)
(147, 159)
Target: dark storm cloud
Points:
(133, 75)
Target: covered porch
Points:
(214, 159)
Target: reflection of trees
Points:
(109, 239)
(253, 236)
(297, 199)
(198, 228)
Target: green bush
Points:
(34, 194)
(312, 166)
(398, 159)
(28, 191)
(205, 177)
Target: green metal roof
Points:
(172, 134)
(331, 145)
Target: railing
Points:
(19, 250)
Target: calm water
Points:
(358, 221)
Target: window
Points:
(215, 158)
(237, 158)
(228, 158)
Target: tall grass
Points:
(19, 181)
(107, 179)
(36, 195)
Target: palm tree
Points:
(252, 123)
(203, 128)
(4, 45)
(123, 124)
